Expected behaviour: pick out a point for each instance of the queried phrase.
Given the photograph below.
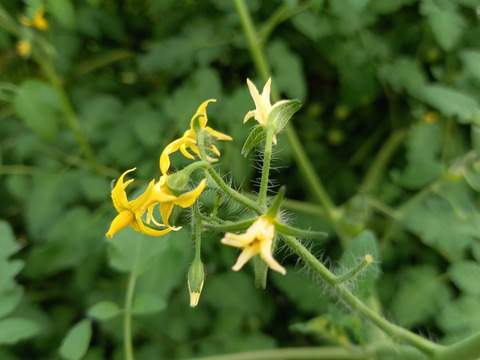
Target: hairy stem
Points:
(267, 156)
(427, 347)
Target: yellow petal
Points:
(140, 204)
(187, 199)
(171, 148)
(166, 209)
(119, 197)
(217, 134)
(39, 21)
(23, 48)
(119, 222)
(183, 150)
(236, 240)
(202, 110)
(161, 192)
(149, 231)
(249, 115)
(245, 255)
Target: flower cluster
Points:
(169, 190)
(38, 21)
(159, 193)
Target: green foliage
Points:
(123, 79)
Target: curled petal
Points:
(171, 148)
(244, 256)
(249, 115)
(183, 150)
(202, 110)
(187, 199)
(148, 230)
(217, 134)
(140, 204)
(124, 218)
(166, 209)
(119, 197)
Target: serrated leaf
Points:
(423, 162)
(437, 224)
(63, 12)
(12, 330)
(452, 102)
(104, 310)
(8, 243)
(38, 104)
(9, 300)
(446, 23)
(75, 343)
(465, 275)
(147, 304)
(363, 244)
(256, 136)
(281, 113)
(420, 295)
(471, 61)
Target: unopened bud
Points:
(196, 278)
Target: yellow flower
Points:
(130, 212)
(262, 104)
(23, 48)
(189, 139)
(37, 21)
(167, 200)
(257, 240)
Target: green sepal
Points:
(260, 268)
(178, 181)
(282, 113)
(298, 233)
(272, 211)
(231, 226)
(257, 135)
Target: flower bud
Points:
(195, 280)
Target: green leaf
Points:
(256, 136)
(289, 76)
(133, 251)
(39, 105)
(465, 275)
(75, 343)
(63, 12)
(471, 61)
(439, 225)
(423, 156)
(462, 314)
(281, 113)
(446, 23)
(452, 102)
(12, 330)
(420, 296)
(403, 74)
(104, 310)
(8, 243)
(363, 244)
(147, 304)
(301, 290)
(9, 300)
(313, 26)
(8, 270)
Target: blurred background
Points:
(390, 122)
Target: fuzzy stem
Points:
(429, 348)
(267, 156)
(304, 164)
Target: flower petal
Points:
(166, 209)
(149, 231)
(119, 222)
(202, 110)
(245, 255)
(119, 196)
(217, 134)
(187, 199)
(249, 115)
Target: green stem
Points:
(304, 164)
(127, 317)
(374, 173)
(71, 118)
(267, 157)
(397, 332)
